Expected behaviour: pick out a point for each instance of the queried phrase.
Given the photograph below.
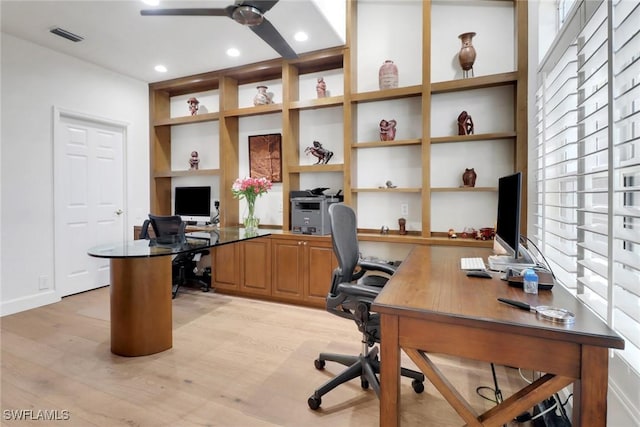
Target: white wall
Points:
(34, 80)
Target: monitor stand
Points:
(503, 263)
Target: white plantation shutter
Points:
(586, 197)
(625, 172)
(556, 202)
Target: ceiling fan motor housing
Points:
(247, 15)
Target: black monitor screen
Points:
(508, 222)
(193, 201)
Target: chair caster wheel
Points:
(319, 364)
(314, 402)
(364, 384)
(418, 386)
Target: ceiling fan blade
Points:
(267, 32)
(261, 5)
(184, 12)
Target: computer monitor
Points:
(193, 204)
(509, 252)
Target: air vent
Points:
(66, 34)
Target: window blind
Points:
(586, 209)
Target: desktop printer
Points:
(310, 211)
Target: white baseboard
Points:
(27, 303)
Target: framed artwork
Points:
(265, 156)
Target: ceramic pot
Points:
(388, 75)
(469, 178)
(467, 55)
(262, 97)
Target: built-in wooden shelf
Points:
(338, 167)
(462, 189)
(386, 94)
(386, 190)
(199, 172)
(199, 118)
(378, 144)
(253, 111)
(492, 80)
(470, 138)
(312, 104)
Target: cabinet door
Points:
(256, 267)
(321, 263)
(288, 268)
(226, 266)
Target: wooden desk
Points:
(431, 306)
(140, 296)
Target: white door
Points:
(89, 198)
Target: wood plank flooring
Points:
(234, 362)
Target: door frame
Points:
(58, 114)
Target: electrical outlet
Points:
(42, 283)
(404, 209)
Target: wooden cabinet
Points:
(225, 267)
(255, 267)
(302, 268)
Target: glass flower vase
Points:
(251, 223)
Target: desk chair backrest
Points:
(344, 237)
(168, 229)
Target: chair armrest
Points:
(377, 266)
(144, 231)
(358, 291)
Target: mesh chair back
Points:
(168, 229)
(344, 236)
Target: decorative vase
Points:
(388, 75)
(251, 224)
(262, 97)
(251, 221)
(467, 55)
(469, 178)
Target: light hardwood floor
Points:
(234, 362)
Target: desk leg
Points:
(590, 392)
(141, 322)
(389, 372)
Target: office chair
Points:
(353, 289)
(171, 230)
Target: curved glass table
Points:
(140, 293)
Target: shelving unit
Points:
(415, 162)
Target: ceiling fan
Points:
(245, 12)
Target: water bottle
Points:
(530, 281)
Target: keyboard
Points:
(472, 264)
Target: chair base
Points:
(367, 367)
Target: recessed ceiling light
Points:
(233, 52)
(151, 2)
(301, 36)
(161, 68)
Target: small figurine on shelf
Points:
(465, 124)
(317, 150)
(193, 106)
(402, 223)
(194, 161)
(387, 130)
(452, 234)
(384, 230)
(389, 184)
(321, 88)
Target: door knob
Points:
(118, 212)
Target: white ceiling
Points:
(117, 37)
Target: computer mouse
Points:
(479, 273)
